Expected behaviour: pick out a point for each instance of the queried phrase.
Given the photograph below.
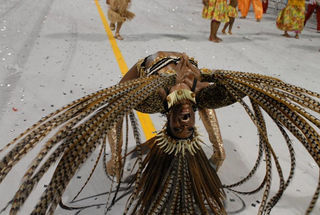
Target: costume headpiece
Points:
(178, 95)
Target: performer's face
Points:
(181, 119)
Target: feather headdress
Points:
(178, 95)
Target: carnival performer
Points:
(208, 116)
(118, 13)
(314, 5)
(291, 18)
(257, 8)
(240, 5)
(174, 176)
(217, 12)
(233, 14)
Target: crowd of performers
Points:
(291, 18)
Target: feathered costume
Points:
(118, 11)
(175, 177)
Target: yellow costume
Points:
(291, 18)
(232, 12)
(216, 10)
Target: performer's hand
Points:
(217, 159)
(162, 93)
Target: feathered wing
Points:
(290, 107)
(82, 126)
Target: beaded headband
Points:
(178, 95)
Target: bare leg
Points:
(297, 35)
(231, 24)
(225, 27)
(117, 35)
(210, 122)
(213, 31)
(286, 34)
(112, 26)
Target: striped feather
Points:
(290, 107)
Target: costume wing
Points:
(290, 107)
(82, 126)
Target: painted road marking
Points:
(145, 120)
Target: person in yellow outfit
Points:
(291, 18)
(257, 8)
(217, 11)
(232, 13)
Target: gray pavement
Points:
(53, 52)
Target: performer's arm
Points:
(131, 74)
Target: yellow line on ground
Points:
(146, 122)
